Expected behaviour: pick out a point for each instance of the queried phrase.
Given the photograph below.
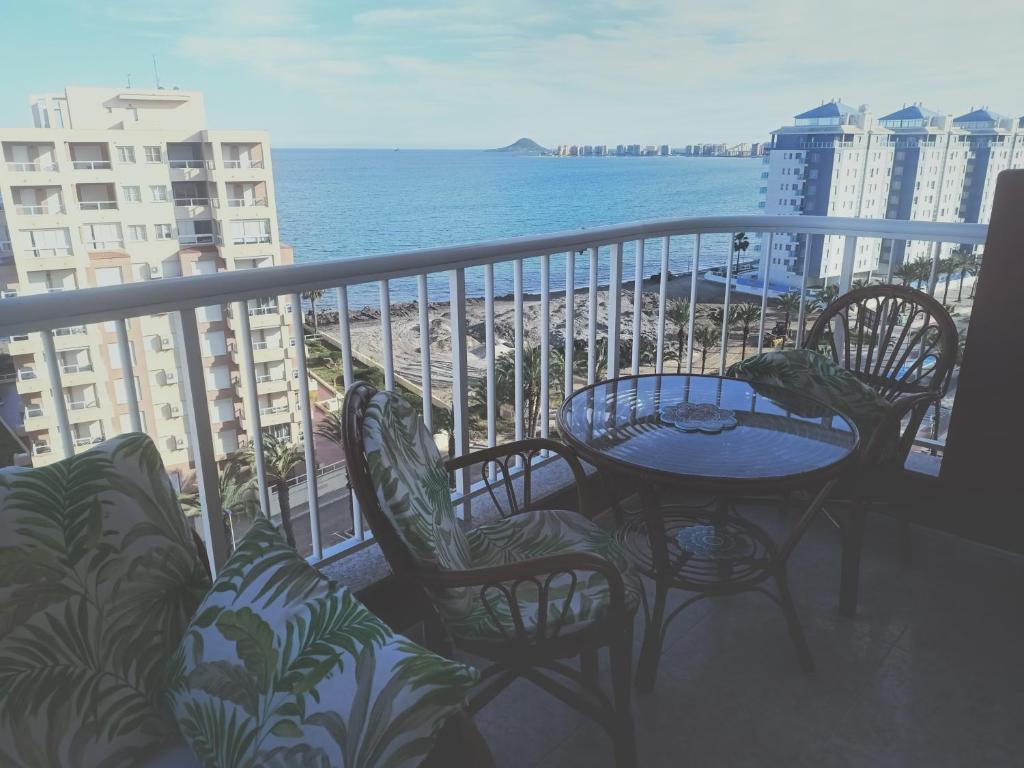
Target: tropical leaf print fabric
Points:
(813, 374)
(282, 667)
(412, 488)
(99, 577)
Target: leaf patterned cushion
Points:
(811, 373)
(282, 667)
(411, 483)
(99, 578)
(535, 534)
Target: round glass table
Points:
(666, 436)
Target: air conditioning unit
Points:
(175, 411)
(155, 273)
(179, 443)
(166, 343)
(170, 377)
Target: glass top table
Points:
(706, 430)
(663, 435)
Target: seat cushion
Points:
(531, 535)
(813, 374)
(411, 482)
(283, 667)
(99, 577)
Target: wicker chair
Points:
(526, 592)
(903, 344)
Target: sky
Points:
(354, 73)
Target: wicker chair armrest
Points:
(914, 404)
(526, 449)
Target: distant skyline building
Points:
(114, 186)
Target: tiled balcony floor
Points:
(930, 673)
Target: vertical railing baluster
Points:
(892, 261)
(570, 318)
(203, 454)
(692, 321)
(128, 372)
(491, 382)
(60, 408)
(662, 302)
(614, 309)
(764, 292)
(252, 404)
(517, 291)
(348, 377)
(849, 257)
(802, 311)
(933, 273)
(592, 320)
(299, 334)
(460, 382)
(638, 304)
(545, 332)
(385, 331)
(724, 343)
(425, 384)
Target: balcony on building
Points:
(75, 361)
(249, 232)
(102, 236)
(89, 156)
(194, 194)
(197, 232)
(246, 194)
(49, 243)
(81, 401)
(51, 280)
(96, 197)
(242, 156)
(38, 201)
(30, 157)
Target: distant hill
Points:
(523, 147)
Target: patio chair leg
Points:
(853, 543)
(621, 651)
(796, 631)
(650, 654)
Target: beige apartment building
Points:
(116, 186)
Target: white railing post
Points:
(662, 304)
(638, 303)
(460, 383)
(849, 256)
(128, 372)
(592, 320)
(570, 318)
(424, 309)
(348, 377)
(308, 441)
(492, 392)
(203, 455)
(692, 321)
(518, 331)
(60, 408)
(764, 292)
(252, 404)
(545, 332)
(385, 331)
(802, 311)
(933, 273)
(724, 343)
(614, 309)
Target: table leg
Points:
(853, 543)
(650, 654)
(796, 631)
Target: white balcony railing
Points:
(243, 202)
(691, 246)
(104, 245)
(32, 167)
(269, 410)
(76, 368)
(240, 164)
(43, 253)
(250, 239)
(26, 374)
(91, 165)
(192, 202)
(38, 210)
(98, 205)
(81, 405)
(189, 164)
(88, 440)
(41, 449)
(33, 411)
(197, 239)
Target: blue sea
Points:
(341, 204)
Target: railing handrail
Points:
(98, 304)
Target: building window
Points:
(131, 194)
(159, 194)
(153, 154)
(137, 232)
(126, 154)
(163, 231)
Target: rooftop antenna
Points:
(129, 79)
(156, 73)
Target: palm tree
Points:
(331, 428)
(922, 267)
(827, 295)
(740, 243)
(237, 490)
(905, 273)
(505, 382)
(947, 267)
(787, 303)
(745, 315)
(967, 263)
(313, 297)
(280, 458)
(705, 337)
(678, 313)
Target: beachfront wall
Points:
(574, 338)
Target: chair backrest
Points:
(400, 481)
(894, 338)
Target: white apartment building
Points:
(115, 186)
(995, 143)
(833, 161)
